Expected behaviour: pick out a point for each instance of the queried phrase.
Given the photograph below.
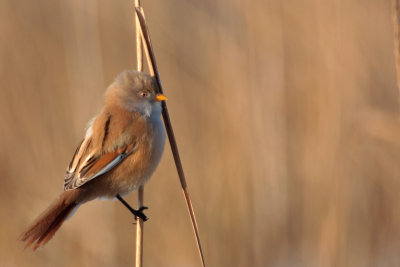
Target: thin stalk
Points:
(167, 122)
(139, 44)
(139, 231)
(396, 27)
(139, 225)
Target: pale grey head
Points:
(136, 91)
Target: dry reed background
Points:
(286, 114)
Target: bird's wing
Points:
(108, 141)
(91, 165)
(91, 161)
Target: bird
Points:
(120, 151)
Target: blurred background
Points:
(286, 115)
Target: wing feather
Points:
(102, 149)
(95, 166)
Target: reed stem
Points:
(139, 225)
(168, 126)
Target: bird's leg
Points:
(138, 213)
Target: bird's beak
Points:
(161, 97)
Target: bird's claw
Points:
(139, 213)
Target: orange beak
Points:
(161, 97)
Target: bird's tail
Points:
(46, 225)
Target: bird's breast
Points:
(136, 169)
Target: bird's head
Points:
(136, 92)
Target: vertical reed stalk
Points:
(168, 126)
(396, 27)
(139, 225)
(139, 231)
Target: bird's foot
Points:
(139, 213)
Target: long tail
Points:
(46, 225)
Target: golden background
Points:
(286, 115)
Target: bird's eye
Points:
(144, 94)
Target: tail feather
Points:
(46, 225)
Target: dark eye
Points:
(144, 94)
